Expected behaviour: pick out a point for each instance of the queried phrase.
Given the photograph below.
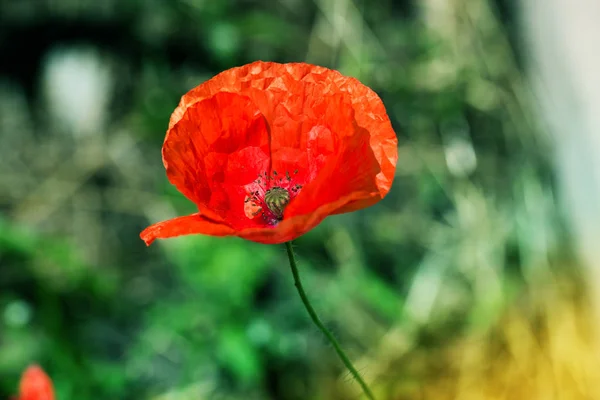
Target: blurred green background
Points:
(470, 228)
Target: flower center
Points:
(268, 196)
(276, 199)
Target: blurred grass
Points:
(457, 286)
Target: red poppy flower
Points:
(35, 385)
(266, 151)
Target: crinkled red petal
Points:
(187, 225)
(220, 144)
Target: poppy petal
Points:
(222, 124)
(187, 225)
(35, 385)
(351, 167)
(370, 114)
(266, 83)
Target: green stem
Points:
(319, 324)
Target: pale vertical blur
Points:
(564, 67)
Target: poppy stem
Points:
(319, 324)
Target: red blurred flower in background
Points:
(266, 151)
(35, 385)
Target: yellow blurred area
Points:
(544, 346)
